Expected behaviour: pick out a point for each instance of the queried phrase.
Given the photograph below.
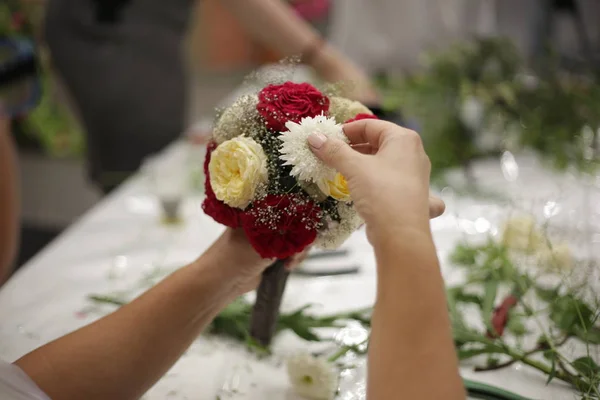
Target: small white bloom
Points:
(312, 377)
(241, 118)
(296, 152)
(522, 234)
(343, 109)
(557, 258)
(472, 113)
(335, 233)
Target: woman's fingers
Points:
(436, 207)
(371, 131)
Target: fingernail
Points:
(317, 140)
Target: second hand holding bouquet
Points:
(262, 177)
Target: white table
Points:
(120, 240)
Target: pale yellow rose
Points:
(238, 171)
(556, 257)
(336, 188)
(522, 234)
(343, 109)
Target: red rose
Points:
(361, 116)
(214, 207)
(280, 226)
(210, 147)
(278, 104)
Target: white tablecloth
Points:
(121, 240)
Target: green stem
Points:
(338, 354)
(107, 300)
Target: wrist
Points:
(231, 263)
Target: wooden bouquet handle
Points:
(263, 322)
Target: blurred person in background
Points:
(19, 92)
(9, 199)
(122, 61)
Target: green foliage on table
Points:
(545, 112)
(538, 329)
(551, 315)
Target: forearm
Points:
(411, 340)
(9, 201)
(275, 25)
(123, 354)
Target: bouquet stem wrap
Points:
(263, 322)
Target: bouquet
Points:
(262, 177)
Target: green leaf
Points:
(586, 366)
(489, 297)
(571, 314)
(515, 324)
(590, 336)
(465, 354)
(548, 295)
(464, 255)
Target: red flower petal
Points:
(280, 226)
(278, 104)
(361, 116)
(212, 206)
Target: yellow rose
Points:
(337, 188)
(238, 171)
(343, 109)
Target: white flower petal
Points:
(336, 233)
(296, 152)
(312, 377)
(241, 118)
(343, 109)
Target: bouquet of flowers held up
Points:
(262, 177)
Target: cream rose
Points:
(336, 188)
(343, 109)
(522, 234)
(238, 171)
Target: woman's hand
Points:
(388, 175)
(240, 264)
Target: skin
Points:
(119, 357)
(275, 25)
(123, 354)
(9, 201)
(411, 340)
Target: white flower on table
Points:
(313, 377)
(556, 257)
(522, 234)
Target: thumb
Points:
(333, 152)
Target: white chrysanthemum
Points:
(343, 109)
(522, 234)
(312, 377)
(296, 152)
(335, 233)
(241, 118)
